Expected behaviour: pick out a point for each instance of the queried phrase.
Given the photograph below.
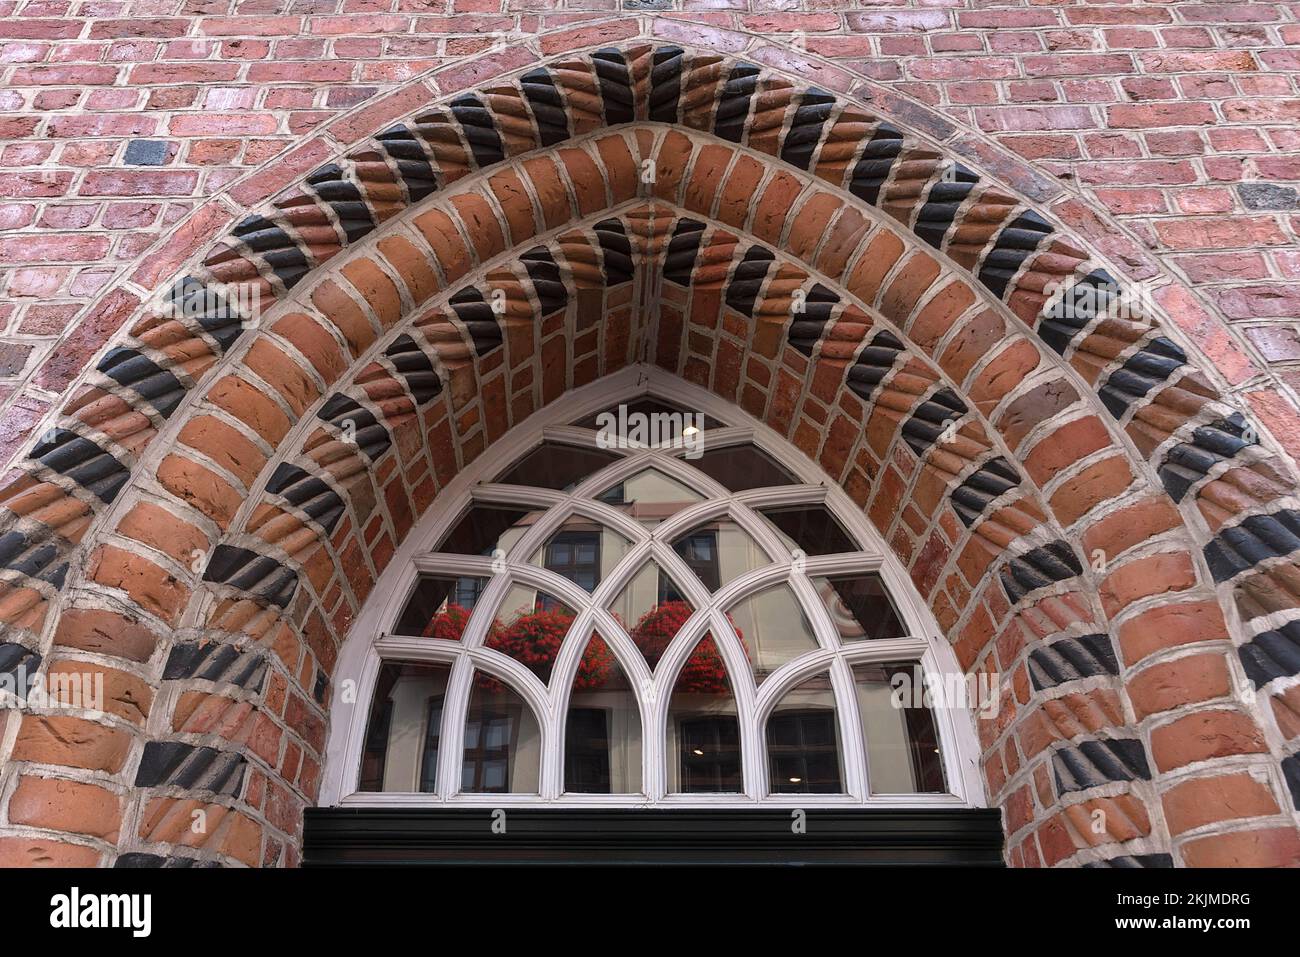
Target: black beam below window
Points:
(374, 837)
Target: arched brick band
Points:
(297, 470)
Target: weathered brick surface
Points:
(1117, 524)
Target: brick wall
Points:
(1176, 171)
(1178, 118)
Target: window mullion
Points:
(857, 761)
(455, 707)
(563, 673)
(741, 675)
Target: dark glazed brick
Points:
(146, 153)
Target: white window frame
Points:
(363, 653)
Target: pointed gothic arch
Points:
(222, 566)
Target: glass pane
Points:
(810, 528)
(582, 551)
(653, 610)
(440, 606)
(719, 552)
(740, 467)
(859, 607)
(650, 496)
(773, 629)
(898, 728)
(602, 732)
(803, 740)
(503, 744)
(530, 627)
(703, 729)
(402, 737)
(672, 420)
(556, 466)
(485, 528)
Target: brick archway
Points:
(225, 563)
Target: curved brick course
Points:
(301, 445)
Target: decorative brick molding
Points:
(1098, 524)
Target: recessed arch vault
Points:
(1081, 510)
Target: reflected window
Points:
(503, 744)
(710, 754)
(602, 731)
(582, 551)
(719, 552)
(575, 556)
(803, 746)
(432, 740)
(703, 726)
(405, 728)
(699, 550)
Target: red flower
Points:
(448, 624)
(704, 671)
(534, 641)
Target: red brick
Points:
(61, 805)
(1204, 735)
(1203, 801)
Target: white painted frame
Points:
(369, 643)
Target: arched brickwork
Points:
(212, 576)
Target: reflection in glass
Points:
(703, 727)
(583, 551)
(653, 609)
(602, 731)
(740, 467)
(650, 496)
(405, 728)
(486, 528)
(773, 629)
(803, 741)
(503, 745)
(810, 528)
(719, 552)
(898, 728)
(859, 607)
(556, 466)
(530, 627)
(440, 606)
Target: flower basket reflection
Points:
(704, 671)
(534, 640)
(448, 624)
